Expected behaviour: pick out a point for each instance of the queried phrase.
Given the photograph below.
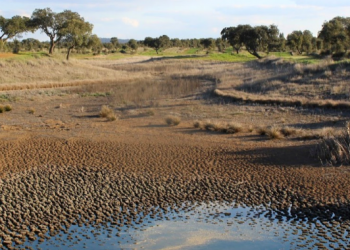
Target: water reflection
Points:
(207, 226)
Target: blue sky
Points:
(185, 18)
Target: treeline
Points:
(70, 31)
(65, 27)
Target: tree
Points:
(208, 43)
(132, 43)
(31, 44)
(157, 43)
(176, 42)
(308, 39)
(14, 26)
(76, 31)
(220, 44)
(233, 35)
(336, 35)
(54, 25)
(295, 41)
(94, 43)
(282, 43)
(115, 42)
(301, 41)
(259, 38)
(194, 43)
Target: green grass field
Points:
(175, 53)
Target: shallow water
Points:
(206, 226)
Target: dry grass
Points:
(289, 131)
(268, 81)
(213, 125)
(227, 128)
(234, 127)
(262, 130)
(335, 150)
(273, 82)
(172, 120)
(8, 107)
(274, 133)
(31, 111)
(5, 108)
(198, 124)
(108, 113)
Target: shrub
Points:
(149, 112)
(2, 109)
(172, 120)
(197, 124)
(31, 111)
(8, 107)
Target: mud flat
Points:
(121, 186)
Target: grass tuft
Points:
(274, 133)
(105, 111)
(31, 111)
(289, 131)
(198, 124)
(335, 150)
(8, 107)
(233, 128)
(262, 130)
(172, 120)
(108, 113)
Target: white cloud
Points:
(132, 22)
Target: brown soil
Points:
(7, 55)
(66, 135)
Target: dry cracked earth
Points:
(65, 166)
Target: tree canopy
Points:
(157, 43)
(336, 35)
(57, 25)
(11, 27)
(255, 39)
(76, 32)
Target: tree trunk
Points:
(68, 53)
(52, 47)
(255, 53)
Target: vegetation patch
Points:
(108, 113)
(335, 150)
(172, 120)
(5, 108)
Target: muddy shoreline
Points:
(94, 183)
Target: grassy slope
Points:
(176, 53)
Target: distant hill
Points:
(107, 40)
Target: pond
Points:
(206, 226)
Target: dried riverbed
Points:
(120, 187)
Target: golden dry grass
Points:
(269, 81)
(108, 113)
(172, 120)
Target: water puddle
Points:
(204, 226)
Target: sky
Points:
(183, 19)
